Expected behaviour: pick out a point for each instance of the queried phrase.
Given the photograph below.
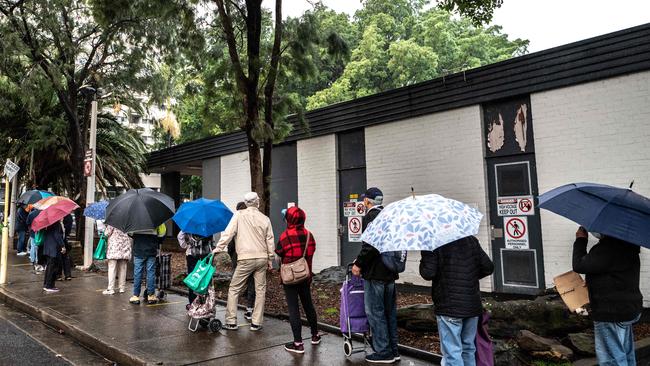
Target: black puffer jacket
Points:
(455, 270)
(369, 259)
(612, 270)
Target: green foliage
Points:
(401, 45)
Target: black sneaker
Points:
(230, 327)
(377, 358)
(248, 315)
(255, 327)
(295, 348)
(396, 357)
(315, 339)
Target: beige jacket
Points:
(254, 235)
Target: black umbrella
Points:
(139, 209)
(33, 196)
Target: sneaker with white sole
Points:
(315, 339)
(108, 292)
(22, 254)
(295, 347)
(377, 358)
(51, 290)
(230, 327)
(255, 327)
(248, 315)
(122, 290)
(135, 300)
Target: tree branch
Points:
(226, 23)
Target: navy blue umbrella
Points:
(203, 217)
(96, 210)
(617, 212)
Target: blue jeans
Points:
(381, 308)
(139, 264)
(33, 251)
(615, 342)
(22, 245)
(457, 337)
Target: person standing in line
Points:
(22, 229)
(379, 289)
(250, 283)
(38, 259)
(455, 270)
(297, 242)
(118, 254)
(196, 249)
(612, 270)
(145, 250)
(255, 253)
(53, 248)
(65, 269)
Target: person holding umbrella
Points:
(612, 270)
(145, 249)
(22, 229)
(620, 219)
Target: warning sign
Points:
(88, 163)
(516, 206)
(353, 208)
(516, 232)
(354, 229)
(11, 169)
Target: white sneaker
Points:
(122, 290)
(108, 292)
(22, 254)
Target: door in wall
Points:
(515, 226)
(284, 184)
(351, 149)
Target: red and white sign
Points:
(516, 206)
(516, 232)
(353, 208)
(88, 164)
(354, 229)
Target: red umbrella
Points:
(53, 214)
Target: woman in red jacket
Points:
(293, 242)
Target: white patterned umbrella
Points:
(422, 223)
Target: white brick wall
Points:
(439, 153)
(235, 178)
(318, 196)
(595, 132)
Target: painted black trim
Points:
(614, 54)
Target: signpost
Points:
(354, 229)
(10, 171)
(516, 206)
(516, 232)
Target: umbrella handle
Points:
(413, 192)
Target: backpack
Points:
(395, 261)
(198, 246)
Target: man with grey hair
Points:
(255, 247)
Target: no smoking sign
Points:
(516, 232)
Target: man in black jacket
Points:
(379, 292)
(612, 270)
(455, 270)
(21, 228)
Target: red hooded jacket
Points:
(292, 240)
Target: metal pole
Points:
(89, 232)
(12, 208)
(5, 238)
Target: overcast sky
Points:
(546, 23)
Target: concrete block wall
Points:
(595, 132)
(439, 153)
(318, 196)
(235, 178)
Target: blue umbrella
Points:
(617, 212)
(422, 223)
(33, 196)
(96, 210)
(203, 217)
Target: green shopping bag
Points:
(100, 251)
(39, 237)
(199, 280)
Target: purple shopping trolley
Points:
(353, 313)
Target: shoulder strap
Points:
(304, 252)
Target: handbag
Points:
(297, 271)
(39, 237)
(100, 251)
(199, 280)
(484, 347)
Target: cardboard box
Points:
(573, 290)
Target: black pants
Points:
(65, 269)
(302, 291)
(52, 271)
(191, 261)
(41, 258)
